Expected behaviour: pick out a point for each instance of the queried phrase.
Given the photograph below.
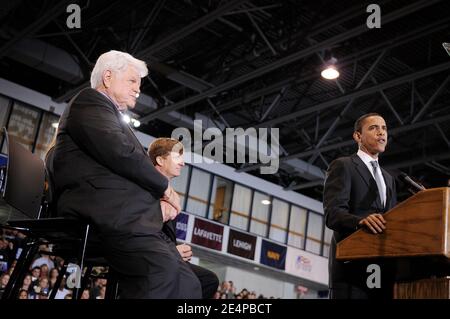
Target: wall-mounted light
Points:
(127, 119)
(330, 71)
(136, 123)
(265, 202)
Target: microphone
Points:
(408, 180)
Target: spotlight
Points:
(265, 202)
(330, 71)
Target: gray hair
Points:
(115, 61)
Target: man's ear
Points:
(106, 77)
(159, 160)
(357, 136)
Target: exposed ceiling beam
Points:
(191, 28)
(394, 131)
(305, 185)
(431, 100)
(348, 60)
(53, 11)
(287, 60)
(419, 160)
(370, 90)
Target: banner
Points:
(3, 160)
(181, 225)
(241, 244)
(273, 255)
(306, 265)
(207, 234)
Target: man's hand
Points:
(375, 222)
(168, 211)
(171, 196)
(185, 251)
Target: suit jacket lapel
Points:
(362, 169)
(128, 129)
(124, 125)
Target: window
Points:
(220, 199)
(179, 184)
(279, 220)
(260, 214)
(240, 207)
(314, 235)
(198, 192)
(23, 125)
(4, 110)
(296, 236)
(327, 241)
(46, 134)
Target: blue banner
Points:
(273, 255)
(181, 223)
(3, 160)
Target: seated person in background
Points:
(102, 175)
(167, 156)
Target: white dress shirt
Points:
(366, 158)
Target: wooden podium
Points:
(416, 229)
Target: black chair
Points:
(22, 190)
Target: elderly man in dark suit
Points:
(102, 174)
(357, 193)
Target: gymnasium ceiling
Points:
(257, 64)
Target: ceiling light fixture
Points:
(330, 71)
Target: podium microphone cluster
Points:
(408, 180)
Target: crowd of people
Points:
(39, 282)
(41, 278)
(227, 290)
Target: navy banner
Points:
(273, 255)
(181, 225)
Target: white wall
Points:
(253, 281)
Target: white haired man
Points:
(101, 173)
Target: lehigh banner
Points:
(241, 244)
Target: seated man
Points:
(167, 156)
(102, 174)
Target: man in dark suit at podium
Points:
(102, 174)
(357, 192)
